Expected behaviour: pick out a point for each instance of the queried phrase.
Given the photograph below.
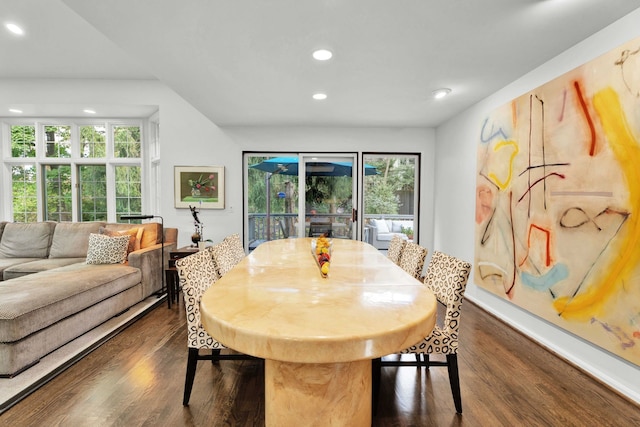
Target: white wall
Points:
(455, 206)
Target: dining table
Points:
(317, 335)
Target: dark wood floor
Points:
(136, 379)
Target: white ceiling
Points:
(248, 62)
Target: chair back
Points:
(227, 253)
(412, 259)
(197, 273)
(236, 250)
(320, 227)
(447, 278)
(395, 248)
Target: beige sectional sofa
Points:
(50, 295)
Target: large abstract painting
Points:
(558, 202)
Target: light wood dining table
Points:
(317, 335)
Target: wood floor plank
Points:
(137, 379)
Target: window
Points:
(25, 201)
(93, 192)
(58, 141)
(391, 195)
(93, 141)
(23, 141)
(127, 141)
(73, 170)
(128, 190)
(57, 192)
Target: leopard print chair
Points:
(395, 249)
(412, 259)
(227, 253)
(447, 277)
(197, 272)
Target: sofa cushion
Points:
(150, 237)
(33, 302)
(386, 237)
(36, 266)
(381, 226)
(71, 239)
(26, 240)
(9, 262)
(18, 355)
(107, 250)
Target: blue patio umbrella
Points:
(289, 166)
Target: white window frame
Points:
(6, 212)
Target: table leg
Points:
(328, 394)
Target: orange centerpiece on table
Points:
(321, 250)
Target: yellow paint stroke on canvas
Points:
(504, 184)
(627, 151)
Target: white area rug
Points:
(12, 390)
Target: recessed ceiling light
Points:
(441, 93)
(14, 29)
(319, 96)
(15, 110)
(89, 111)
(322, 54)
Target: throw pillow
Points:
(107, 250)
(381, 225)
(135, 236)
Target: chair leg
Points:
(454, 380)
(426, 359)
(376, 372)
(192, 361)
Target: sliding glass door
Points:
(299, 195)
(390, 201)
(327, 206)
(344, 195)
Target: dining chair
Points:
(412, 259)
(197, 272)
(447, 278)
(235, 246)
(320, 227)
(227, 253)
(395, 249)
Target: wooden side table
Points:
(171, 274)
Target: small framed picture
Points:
(199, 186)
